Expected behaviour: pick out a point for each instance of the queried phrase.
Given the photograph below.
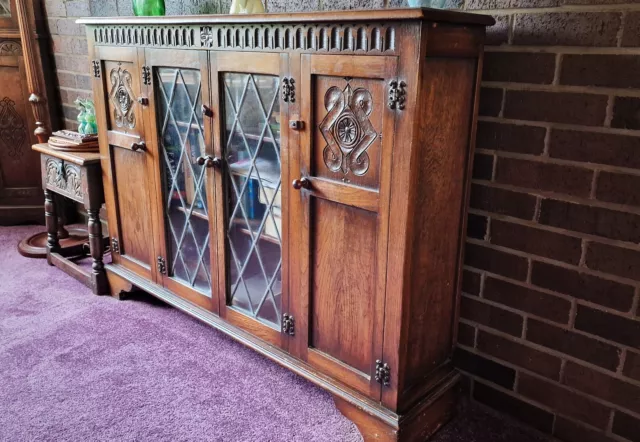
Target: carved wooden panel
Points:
(122, 98)
(13, 130)
(348, 122)
(63, 178)
(10, 47)
(16, 119)
(324, 37)
(121, 80)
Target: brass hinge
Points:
(115, 246)
(146, 75)
(288, 90)
(162, 265)
(397, 94)
(288, 324)
(383, 373)
(96, 68)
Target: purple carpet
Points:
(76, 367)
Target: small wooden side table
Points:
(78, 176)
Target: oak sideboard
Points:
(299, 182)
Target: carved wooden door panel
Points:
(127, 160)
(180, 125)
(339, 215)
(19, 180)
(250, 144)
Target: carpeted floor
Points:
(76, 367)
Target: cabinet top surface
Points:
(426, 14)
(79, 158)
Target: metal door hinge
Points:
(288, 90)
(146, 75)
(397, 94)
(115, 245)
(383, 373)
(96, 68)
(162, 265)
(288, 324)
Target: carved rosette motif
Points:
(10, 47)
(347, 130)
(13, 130)
(122, 98)
(65, 177)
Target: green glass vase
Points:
(148, 7)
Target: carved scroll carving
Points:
(9, 47)
(64, 177)
(347, 130)
(122, 98)
(13, 130)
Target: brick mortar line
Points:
(519, 396)
(569, 325)
(635, 306)
(597, 399)
(560, 384)
(562, 197)
(561, 88)
(565, 265)
(594, 184)
(565, 327)
(526, 285)
(598, 167)
(608, 113)
(515, 367)
(565, 50)
(573, 234)
(542, 349)
(73, 89)
(562, 126)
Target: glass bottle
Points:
(148, 7)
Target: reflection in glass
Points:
(182, 142)
(5, 8)
(252, 153)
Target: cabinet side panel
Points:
(443, 138)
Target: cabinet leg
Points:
(370, 427)
(51, 219)
(417, 425)
(98, 275)
(119, 288)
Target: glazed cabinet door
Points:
(180, 127)
(127, 160)
(339, 215)
(250, 139)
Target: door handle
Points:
(302, 183)
(207, 111)
(140, 145)
(210, 161)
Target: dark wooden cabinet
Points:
(299, 182)
(25, 112)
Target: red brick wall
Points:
(69, 47)
(550, 331)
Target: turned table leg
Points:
(51, 220)
(98, 276)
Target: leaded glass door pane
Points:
(251, 120)
(181, 142)
(5, 8)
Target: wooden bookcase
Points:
(299, 181)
